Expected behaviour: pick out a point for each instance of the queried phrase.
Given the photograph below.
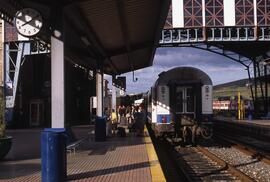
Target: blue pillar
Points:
(53, 155)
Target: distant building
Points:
(221, 105)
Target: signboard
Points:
(122, 93)
(207, 100)
(120, 82)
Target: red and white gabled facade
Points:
(218, 13)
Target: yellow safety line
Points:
(155, 168)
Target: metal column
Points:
(12, 65)
(99, 92)
(266, 90)
(114, 97)
(58, 67)
(58, 83)
(100, 124)
(53, 140)
(255, 88)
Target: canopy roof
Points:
(116, 35)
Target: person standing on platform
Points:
(132, 114)
(128, 114)
(122, 116)
(118, 114)
(108, 122)
(139, 121)
(114, 122)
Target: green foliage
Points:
(2, 122)
(230, 89)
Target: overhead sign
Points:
(120, 82)
(122, 92)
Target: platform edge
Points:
(155, 168)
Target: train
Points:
(180, 105)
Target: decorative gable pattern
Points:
(193, 13)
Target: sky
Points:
(220, 69)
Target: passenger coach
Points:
(180, 104)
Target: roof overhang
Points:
(117, 36)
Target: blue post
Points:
(53, 155)
(249, 116)
(100, 129)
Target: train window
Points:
(190, 99)
(179, 100)
(185, 100)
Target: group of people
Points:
(132, 117)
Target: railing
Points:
(217, 34)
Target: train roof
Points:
(183, 75)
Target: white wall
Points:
(229, 12)
(178, 13)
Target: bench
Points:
(71, 147)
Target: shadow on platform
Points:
(107, 171)
(14, 170)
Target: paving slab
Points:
(128, 158)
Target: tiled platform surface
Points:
(249, 122)
(117, 159)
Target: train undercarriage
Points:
(186, 132)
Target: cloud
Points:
(219, 68)
(189, 56)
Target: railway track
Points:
(211, 161)
(256, 151)
(198, 164)
(232, 170)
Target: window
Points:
(244, 12)
(193, 13)
(214, 13)
(263, 12)
(168, 23)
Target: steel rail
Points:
(240, 175)
(252, 150)
(222, 164)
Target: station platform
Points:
(257, 129)
(129, 158)
(255, 122)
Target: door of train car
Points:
(183, 101)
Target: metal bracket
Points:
(133, 77)
(14, 55)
